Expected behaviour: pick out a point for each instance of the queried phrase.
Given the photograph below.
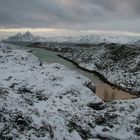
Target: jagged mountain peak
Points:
(28, 34)
(19, 34)
(26, 37)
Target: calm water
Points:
(51, 57)
(104, 91)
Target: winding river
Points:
(104, 91)
(52, 57)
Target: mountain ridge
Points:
(26, 37)
(83, 39)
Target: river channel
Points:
(103, 90)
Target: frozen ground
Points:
(120, 64)
(48, 101)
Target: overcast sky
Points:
(115, 15)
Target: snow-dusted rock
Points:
(48, 101)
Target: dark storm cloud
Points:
(71, 14)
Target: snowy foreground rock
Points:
(41, 101)
(119, 64)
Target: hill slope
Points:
(49, 102)
(120, 64)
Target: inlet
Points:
(105, 91)
(108, 93)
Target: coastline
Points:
(101, 76)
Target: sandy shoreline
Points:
(108, 93)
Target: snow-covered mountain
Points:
(137, 43)
(27, 37)
(83, 39)
(96, 39)
(92, 39)
(63, 39)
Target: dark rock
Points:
(91, 86)
(110, 125)
(40, 63)
(137, 131)
(61, 97)
(85, 134)
(9, 78)
(22, 123)
(99, 136)
(46, 127)
(100, 120)
(96, 106)
(29, 51)
(6, 138)
(24, 90)
(41, 97)
(3, 92)
(59, 110)
(110, 115)
(91, 125)
(57, 67)
(105, 129)
(13, 85)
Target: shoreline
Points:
(99, 75)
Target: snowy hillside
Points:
(120, 64)
(40, 101)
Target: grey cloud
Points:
(71, 14)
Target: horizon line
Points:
(53, 30)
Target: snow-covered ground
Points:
(120, 64)
(49, 101)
